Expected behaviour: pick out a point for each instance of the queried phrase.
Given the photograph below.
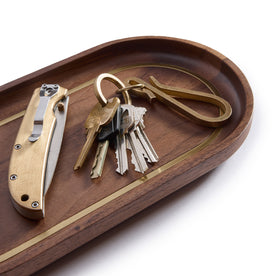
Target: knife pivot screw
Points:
(35, 204)
(17, 146)
(13, 177)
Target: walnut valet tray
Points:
(78, 209)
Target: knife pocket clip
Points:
(47, 91)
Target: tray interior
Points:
(73, 195)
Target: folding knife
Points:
(36, 149)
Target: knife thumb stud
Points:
(60, 107)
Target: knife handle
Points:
(29, 158)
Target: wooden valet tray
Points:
(79, 209)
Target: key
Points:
(127, 137)
(137, 151)
(140, 148)
(138, 117)
(98, 164)
(127, 121)
(98, 117)
(105, 136)
(112, 129)
(150, 153)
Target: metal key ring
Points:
(98, 90)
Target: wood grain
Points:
(79, 209)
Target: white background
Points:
(224, 224)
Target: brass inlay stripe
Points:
(12, 118)
(107, 199)
(122, 191)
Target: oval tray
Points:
(78, 209)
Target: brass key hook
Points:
(98, 90)
(166, 93)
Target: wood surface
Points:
(79, 209)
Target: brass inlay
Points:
(107, 199)
(122, 191)
(12, 118)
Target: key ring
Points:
(98, 90)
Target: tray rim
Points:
(235, 138)
(84, 53)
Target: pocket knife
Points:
(36, 149)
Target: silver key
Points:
(127, 121)
(139, 112)
(148, 149)
(151, 154)
(133, 144)
(137, 152)
(141, 149)
(121, 154)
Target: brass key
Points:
(98, 117)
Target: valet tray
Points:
(79, 209)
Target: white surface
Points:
(225, 223)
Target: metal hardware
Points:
(98, 90)
(13, 177)
(35, 204)
(138, 85)
(98, 117)
(47, 91)
(130, 123)
(97, 167)
(167, 94)
(18, 146)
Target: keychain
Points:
(123, 124)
